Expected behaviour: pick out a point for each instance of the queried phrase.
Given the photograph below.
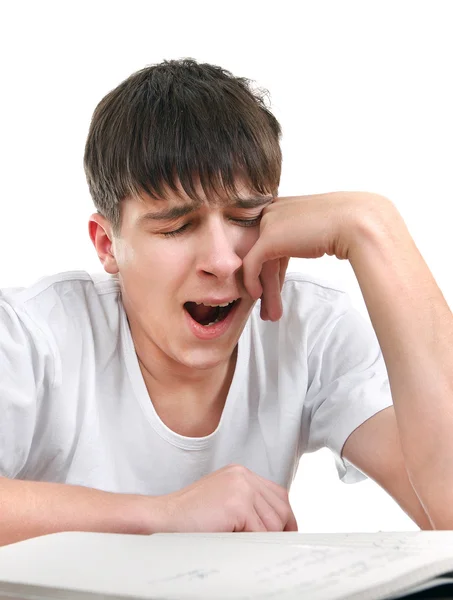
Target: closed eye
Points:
(240, 222)
(248, 222)
(176, 231)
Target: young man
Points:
(161, 396)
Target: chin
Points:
(206, 358)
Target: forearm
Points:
(414, 326)
(29, 509)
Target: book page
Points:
(408, 539)
(240, 566)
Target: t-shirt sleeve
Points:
(348, 384)
(22, 374)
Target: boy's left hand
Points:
(303, 227)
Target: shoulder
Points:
(301, 284)
(58, 308)
(312, 301)
(311, 307)
(67, 282)
(64, 294)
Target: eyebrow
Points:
(185, 209)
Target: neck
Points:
(189, 401)
(197, 382)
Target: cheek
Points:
(171, 256)
(157, 255)
(149, 270)
(167, 264)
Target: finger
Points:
(280, 500)
(278, 489)
(252, 265)
(282, 507)
(282, 273)
(281, 491)
(268, 515)
(291, 525)
(253, 523)
(270, 281)
(263, 311)
(284, 261)
(257, 482)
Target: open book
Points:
(235, 565)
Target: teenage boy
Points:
(162, 396)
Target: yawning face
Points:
(180, 270)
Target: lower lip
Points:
(213, 331)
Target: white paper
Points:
(240, 566)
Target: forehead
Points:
(212, 197)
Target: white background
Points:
(363, 91)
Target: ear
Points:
(100, 232)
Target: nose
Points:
(218, 249)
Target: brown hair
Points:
(174, 120)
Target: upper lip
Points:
(215, 301)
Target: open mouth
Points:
(209, 315)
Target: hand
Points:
(303, 227)
(230, 499)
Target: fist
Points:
(305, 227)
(230, 499)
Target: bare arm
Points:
(412, 321)
(414, 326)
(29, 509)
(230, 499)
(375, 448)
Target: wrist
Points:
(144, 515)
(377, 225)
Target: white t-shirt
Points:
(74, 407)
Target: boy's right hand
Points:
(230, 499)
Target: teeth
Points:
(213, 322)
(216, 305)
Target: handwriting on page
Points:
(224, 566)
(228, 568)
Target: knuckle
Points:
(237, 471)
(283, 492)
(234, 467)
